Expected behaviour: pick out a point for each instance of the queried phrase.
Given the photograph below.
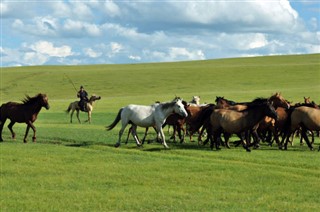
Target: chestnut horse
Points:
(26, 112)
(238, 122)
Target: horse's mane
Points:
(230, 102)
(31, 100)
(167, 105)
(258, 100)
(312, 104)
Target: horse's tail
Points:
(115, 122)
(69, 108)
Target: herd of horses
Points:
(262, 119)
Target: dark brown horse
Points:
(238, 122)
(25, 112)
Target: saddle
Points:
(82, 105)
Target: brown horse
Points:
(276, 100)
(238, 122)
(74, 106)
(25, 112)
(307, 118)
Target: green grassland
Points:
(74, 167)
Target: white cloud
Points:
(112, 9)
(94, 31)
(80, 29)
(135, 57)
(47, 48)
(92, 53)
(116, 47)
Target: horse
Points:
(26, 112)
(147, 116)
(308, 118)
(195, 100)
(238, 122)
(74, 106)
(276, 100)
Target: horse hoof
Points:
(248, 150)
(117, 145)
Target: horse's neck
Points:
(166, 112)
(255, 115)
(35, 108)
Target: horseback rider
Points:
(83, 95)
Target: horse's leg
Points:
(160, 132)
(89, 117)
(134, 134)
(1, 128)
(124, 125)
(78, 116)
(71, 114)
(26, 134)
(145, 135)
(129, 132)
(226, 139)
(305, 136)
(13, 135)
(245, 139)
(216, 139)
(30, 124)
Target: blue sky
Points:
(114, 32)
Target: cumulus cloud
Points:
(149, 31)
(47, 48)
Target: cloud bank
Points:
(91, 32)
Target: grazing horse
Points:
(308, 118)
(147, 116)
(74, 106)
(26, 112)
(238, 122)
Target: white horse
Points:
(74, 106)
(147, 116)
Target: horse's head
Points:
(195, 100)
(307, 99)
(179, 107)
(278, 101)
(94, 98)
(43, 100)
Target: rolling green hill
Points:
(240, 79)
(75, 167)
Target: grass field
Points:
(74, 167)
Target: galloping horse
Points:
(147, 116)
(238, 122)
(25, 112)
(75, 106)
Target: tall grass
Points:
(74, 167)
